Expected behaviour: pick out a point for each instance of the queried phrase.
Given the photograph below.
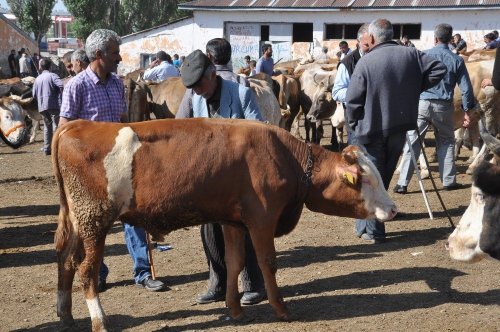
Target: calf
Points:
(240, 173)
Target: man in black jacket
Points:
(382, 104)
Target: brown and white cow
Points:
(13, 129)
(478, 234)
(234, 172)
(30, 106)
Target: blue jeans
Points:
(135, 237)
(440, 114)
(384, 152)
(50, 123)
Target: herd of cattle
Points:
(115, 177)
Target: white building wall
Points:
(187, 35)
(173, 38)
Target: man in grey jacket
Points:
(382, 104)
(436, 107)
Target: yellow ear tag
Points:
(349, 178)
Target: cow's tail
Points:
(64, 226)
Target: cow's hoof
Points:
(286, 318)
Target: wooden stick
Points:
(150, 257)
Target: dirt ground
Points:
(330, 279)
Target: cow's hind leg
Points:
(263, 243)
(234, 239)
(89, 273)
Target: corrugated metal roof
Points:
(362, 3)
(336, 4)
(318, 3)
(382, 3)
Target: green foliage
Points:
(33, 15)
(122, 16)
(89, 15)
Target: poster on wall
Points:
(244, 39)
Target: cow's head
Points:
(323, 106)
(478, 232)
(13, 129)
(352, 188)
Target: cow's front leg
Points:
(234, 240)
(263, 243)
(65, 275)
(89, 274)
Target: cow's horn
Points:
(349, 155)
(491, 142)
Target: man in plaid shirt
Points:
(97, 94)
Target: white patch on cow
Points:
(377, 201)
(95, 309)
(463, 243)
(118, 165)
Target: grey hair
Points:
(99, 40)
(443, 32)
(362, 30)
(80, 55)
(381, 30)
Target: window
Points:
(264, 32)
(411, 30)
(341, 31)
(146, 59)
(302, 32)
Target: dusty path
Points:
(330, 279)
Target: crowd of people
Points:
(21, 64)
(380, 113)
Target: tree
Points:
(33, 15)
(122, 16)
(89, 15)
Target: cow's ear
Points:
(349, 174)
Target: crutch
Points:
(417, 171)
(433, 183)
(150, 257)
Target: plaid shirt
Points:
(86, 97)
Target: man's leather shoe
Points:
(250, 298)
(210, 296)
(454, 186)
(101, 285)
(400, 189)
(152, 285)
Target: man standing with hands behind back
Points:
(97, 94)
